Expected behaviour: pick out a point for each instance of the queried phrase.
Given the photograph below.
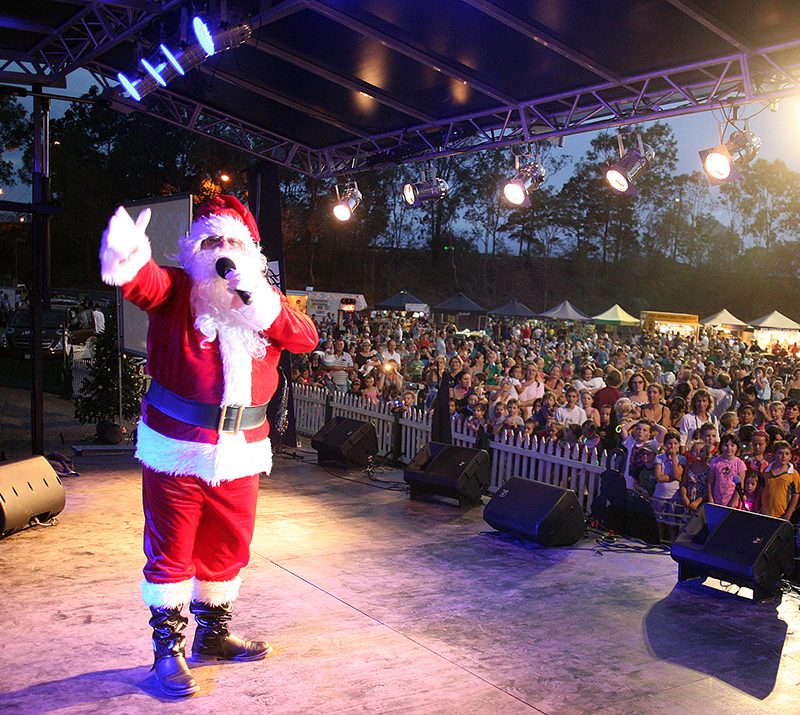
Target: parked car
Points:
(60, 330)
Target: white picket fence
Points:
(80, 372)
(571, 468)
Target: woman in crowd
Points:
(586, 401)
(637, 393)
(462, 388)
(531, 389)
(702, 412)
(655, 409)
(553, 382)
(793, 386)
(677, 410)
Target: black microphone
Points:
(224, 266)
(738, 485)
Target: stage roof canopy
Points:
(330, 87)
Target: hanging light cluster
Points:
(166, 64)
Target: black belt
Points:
(228, 418)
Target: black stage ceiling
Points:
(327, 87)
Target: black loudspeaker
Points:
(744, 548)
(624, 511)
(30, 492)
(546, 514)
(457, 472)
(348, 441)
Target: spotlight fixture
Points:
(347, 201)
(721, 163)
(529, 178)
(431, 188)
(155, 72)
(632, 164)
(130, 86)
(172, 59)
(202, 33)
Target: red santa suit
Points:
(199, 484)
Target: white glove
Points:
(237, 282)
(125, 248)
(265, 305)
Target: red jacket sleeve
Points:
(293, 329)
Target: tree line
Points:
(676, 244)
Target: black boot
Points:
(213, 640)
(172, 673)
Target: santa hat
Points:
(223, 216)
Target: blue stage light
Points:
(172, 60)
(155, 72)
(130, 87)
(203, 35)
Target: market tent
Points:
(564, 311)
(723, 319)
(459, 303)
(615, 316)
(514, 309)
(403, 301)
(775, 321)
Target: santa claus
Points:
(216, 331)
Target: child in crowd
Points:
(781, 491)
(500, 414)
(708, 434)
(571, 412)
(725, 471)
(529, 429)
(645, 482)
(622, 410)
(757, 461)
(556, 432)
(777, 410)
(574, 435)
(694, 485)
(777, 391)
(677, 409)
(513, 420)
(750, 497)
(669, 473)
(607, 432)
(747, 416)
(591, 440)
(547, 411)
(477, 419)
(728, 422)
(634, 436)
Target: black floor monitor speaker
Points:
(30, 492)
(744, 548)
(447, 470)
(347, 441)
(546, 514)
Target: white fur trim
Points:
(167, 595)
(216, 593)
(266, 306)
(237, 368)
(231, 458)
(223, 225)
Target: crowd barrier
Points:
(401, 436)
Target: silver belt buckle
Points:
(223, 413)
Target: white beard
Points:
(212, 302)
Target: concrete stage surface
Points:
(378, 604)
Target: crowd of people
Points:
(699, 419)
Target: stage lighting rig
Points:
(166, 64)
(721, 163)
(529, 175)
(431, 188)
(632, 164)
(347, 200)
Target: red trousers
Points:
(195, 530)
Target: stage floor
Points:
(378, 604)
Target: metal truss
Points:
(95, 27)
(745, 76)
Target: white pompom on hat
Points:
(222, 216)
